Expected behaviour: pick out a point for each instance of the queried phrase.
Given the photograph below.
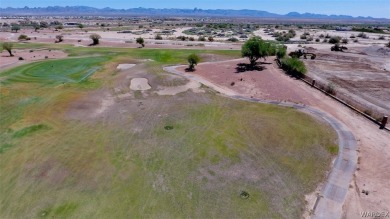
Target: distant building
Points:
(71, 24)
(343, 28)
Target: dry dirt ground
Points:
(112, 39)
(361, 74)
(373, 144)
(6, 61)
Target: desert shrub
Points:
(330, 89)
(294, 66)
(232, 39)
(95, 38)
(309, 39)
(158, 37)
(334, 40)
(211, 39)
(352, 36)
(318, 40)
(322, 35)
(355, 40)
(140, 41)
(362, 35)
(303, 37)
(281, 52)
(325, 40)
(191, 39)
(23, 37)
(202, 38)
(59, 38)
(327, 36)
(193, 60)
(182, 38)
(344, 41)
(388, 44)
(381, 37)
(21, 58)
(8, 47)
(59, 27)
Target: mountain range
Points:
(85, 10)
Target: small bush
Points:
(334, 40)
(355, 40)
(294, 66)
(202, 38)
(211, 39)
(318, 40)
(381, 38)
(158, 37)
(140, 41)
(95, 38)
(330, 89)
(233, 39)
(303, 37)
(352, 36)
(344, 41)
(322, 35)
(193, 60)
(21, 58)
(59, 38)
(23, 37)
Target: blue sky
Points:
(374, 8)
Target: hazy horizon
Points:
(374, 8)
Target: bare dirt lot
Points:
(360, 74)
(373, 144)
(7, 61)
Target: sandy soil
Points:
(360, 74)
(192, 85)
(7, 61)
(124, 66)
(140, 84)
(272, 84)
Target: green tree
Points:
(15, 28)
(193, 60)
(81, 26)
(256, 48)
(8, 46)
(281, 52)
(140, 41)
(294, 66)
(95, 38)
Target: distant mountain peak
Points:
(86, 10)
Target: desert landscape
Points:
(193, 117)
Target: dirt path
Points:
(271, 84)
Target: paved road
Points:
(330, 202)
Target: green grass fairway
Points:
(55, 71)
(193, 155)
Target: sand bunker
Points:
(193, 85)
(125, 66)
(139, 84)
